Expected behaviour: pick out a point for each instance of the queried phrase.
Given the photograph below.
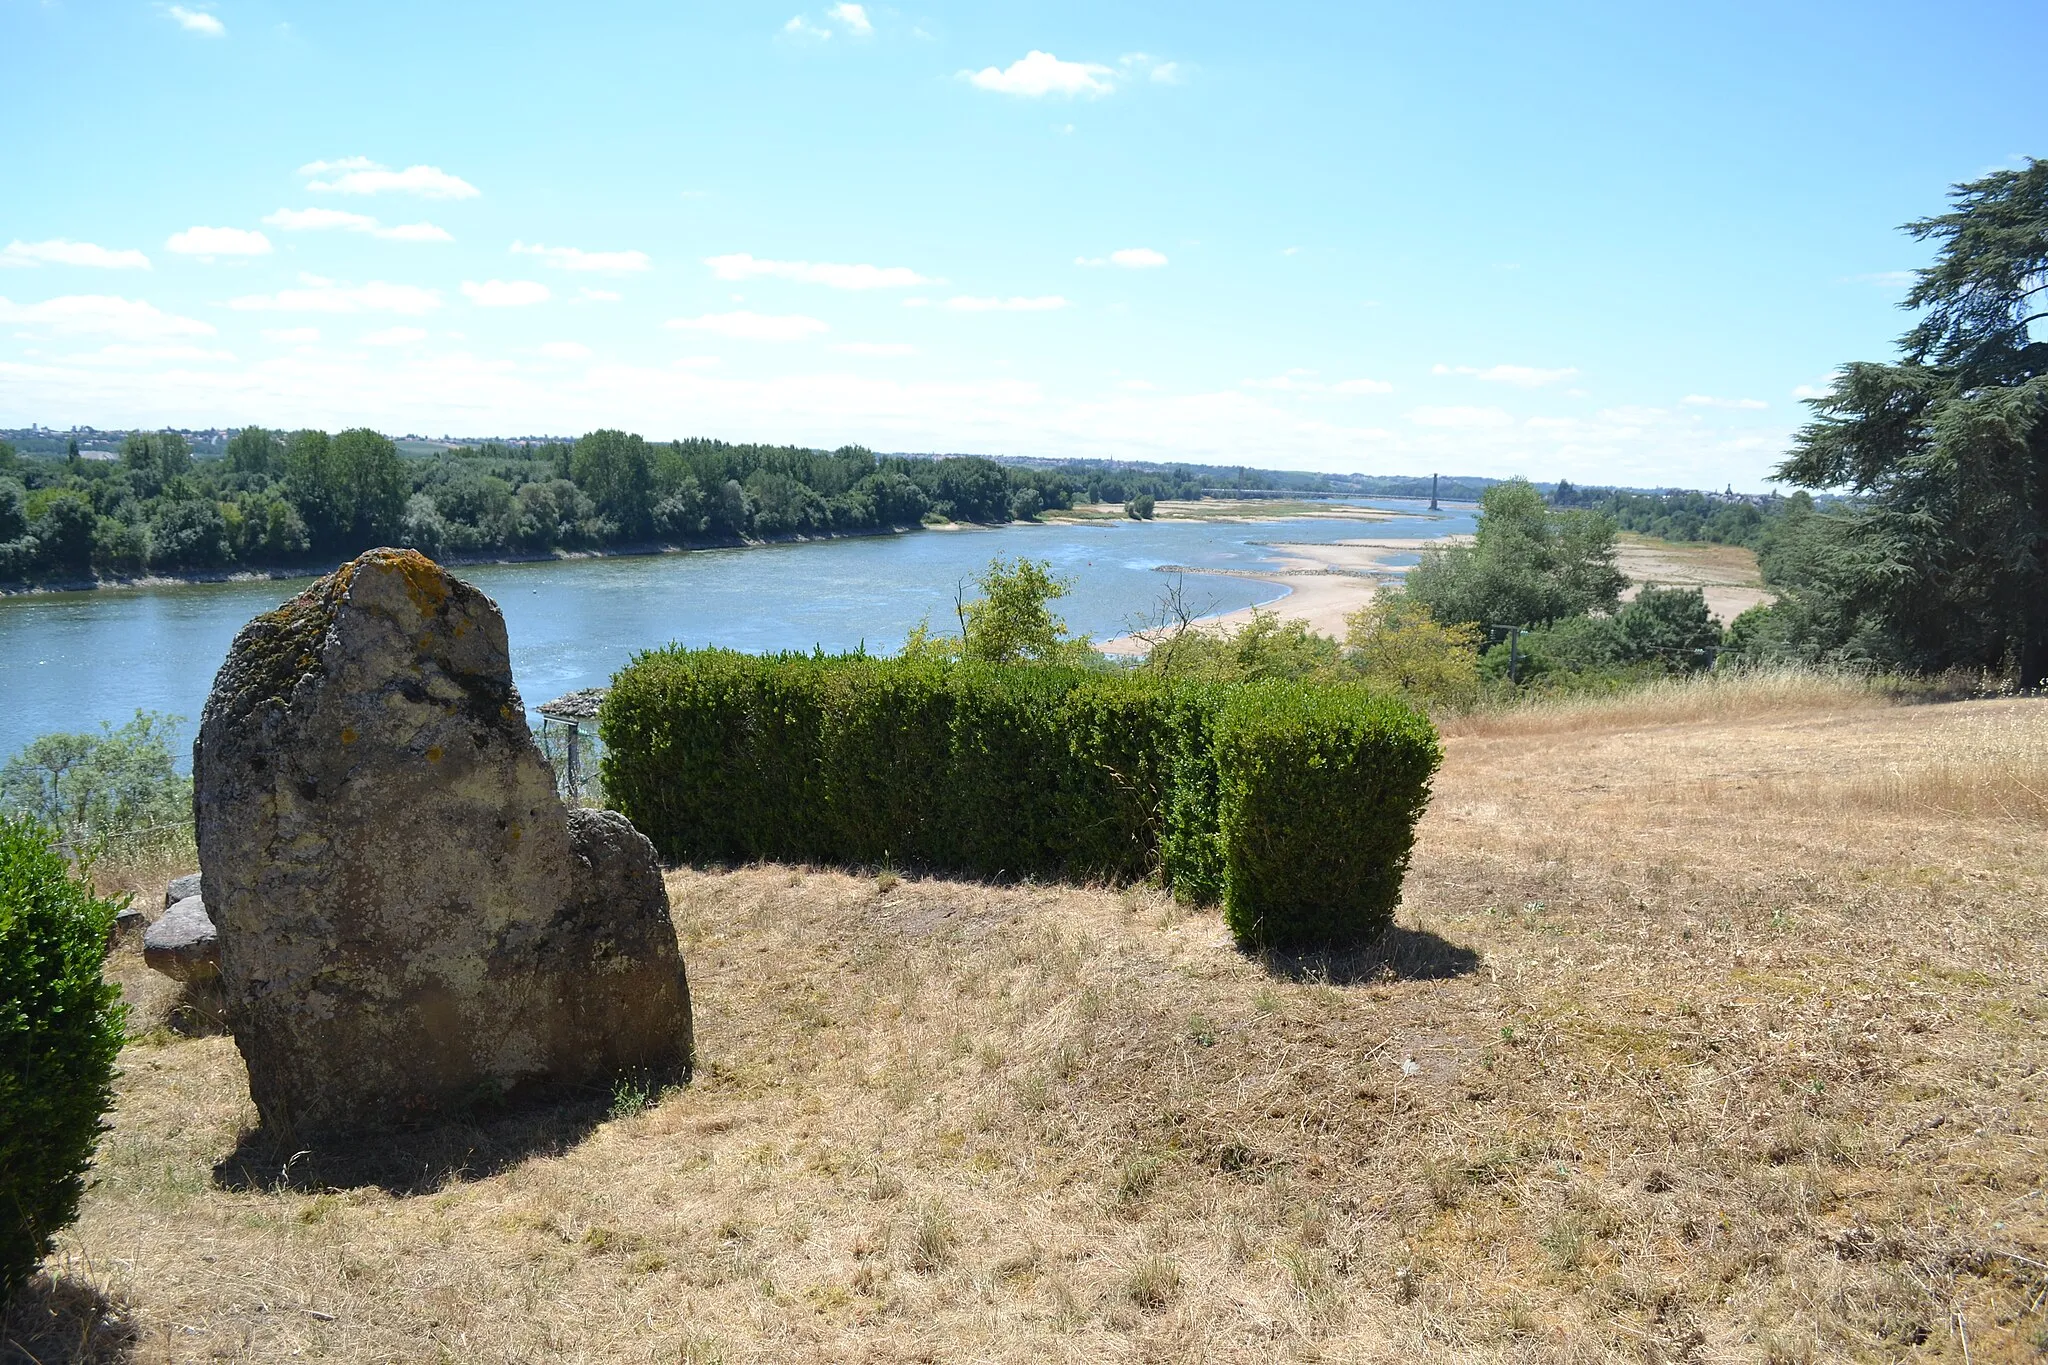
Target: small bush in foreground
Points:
(60, 1030)
(1319, 789)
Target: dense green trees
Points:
(282, 500)
(1943, 559)
(1527, 564)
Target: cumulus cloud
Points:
(291, 336)
(360, 175)
(1167, 73)
(1811, 391)
(1043, 303)
(875, 348)
(1130, 258)
(1520, 376)
(505, 293)
(575, 258)
(564, 350)
(395, 336)
(1701, 400)
(1361, 386)
(1040, 73)
(58, 251)
(753, 326)
(218, 241)
(196, 21)
(102, 315)
(317, 295)
(589, 295)
(741, 266)
(1460, 417)
(855, 17)
(800, 27)
(340, 220)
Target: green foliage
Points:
(1004, 771)
(156, 457)
(1141, 507)
(1012, 621)
(252, 450)
(972, 768)
(1397, 646)
(1528, 564)
(1263, 648)
(1944, 561)
(86, 786)
(1318, 793)
(61, 1027)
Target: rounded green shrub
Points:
(1319, 789)
(61, 1025)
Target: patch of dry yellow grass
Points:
(1721, 697)
(1701, 1044)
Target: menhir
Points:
(410, 921)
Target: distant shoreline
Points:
(640, 549)
(1092, 514)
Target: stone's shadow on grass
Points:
(409, 1161)
(1400, 955)
(55, 1318)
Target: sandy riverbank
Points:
(1326, 583)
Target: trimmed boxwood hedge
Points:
(1320, 790)
(1010, 771)
(60, 1030)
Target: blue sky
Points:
(1608, 242)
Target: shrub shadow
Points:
(1399, 955)
(409, 1161)
(55, 1318)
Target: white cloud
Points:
(588, 295)
(1294, 381)
(1040, 73)
(1700, 400)
(340, 220)
(196, 21)
(1887, 279)
(1804, 391)
(360, 175)
(565, 350)
(574, 258)
(1044, 303)
(1460, 417)
(1167, 73)
(317, 295)
(1130, 258)
(875, 348)
(218, 241)
(129, 353)
(1361, 386)
(103, 315)
(395, 336)
(505, 293)
(1520, 376)
(753, 326)
(800, 27)
(58, 251)
(741, 266)
(291, 336)
(855, 17)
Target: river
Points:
(69, 661)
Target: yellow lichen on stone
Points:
(434, 753)
(348, 734)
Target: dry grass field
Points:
(1713, 1030)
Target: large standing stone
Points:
(409, 919)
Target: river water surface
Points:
(69, 661)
